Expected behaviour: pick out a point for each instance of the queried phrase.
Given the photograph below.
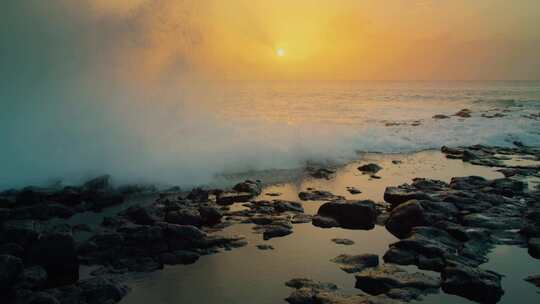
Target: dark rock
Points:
(210, 215)
(140, 215)
(468, 183)
(356, 263)
(56, 252)
(13, 249)
(322, 173)
(370, 168)
(265, 247)
(464, 113)
(351, 214)
(534, 247)
(343, 241)
(399, 195)
(353, 190)
(285, 206)
(324, 222)
(276, 231)
(198, 195)
(440, 116)
(10, 267)
(34, 277)
(252, 187)
(384, 278)
(308, 283)
(102, 290)
(22, 232)
(472, 283)
(318, 195)
(187, 216)
(229, 198)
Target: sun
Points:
(280, 52)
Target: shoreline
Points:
(224, 213)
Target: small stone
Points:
(343, 241)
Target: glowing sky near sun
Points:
(318, 39)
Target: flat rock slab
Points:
(383, 279)
(475, 284)
(356, 263)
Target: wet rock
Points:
(324, 222)
(210, 215)
(141, 215)
(370, 168)
(198, 195)
(252, 187)
(56, 252)
(384, 278)
(100, 183)
(22, 232)
(534, 247)
(34, 277)
(301, 218)
(356, 263)
(440, 116)
(351, 214)
(468, 183)
(183, 257)
(308, 283)
(472, 283)
(186, 216)
(399, 195)
(276, 231)
(10, 267)
(229, 198)
(318, 195)
(343, 241)
(287, 206)
(323, 173)
(13, 249)
(353, 190)
(265, 247)
(102, 290)
(464, 113)
(415, 213)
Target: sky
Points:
(149, 41)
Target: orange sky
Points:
(323, 39)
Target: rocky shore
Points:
(442, 227)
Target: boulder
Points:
(186, 216)
(534, 247)
(229, 198)
(475, 284)
(276, 231)
(318, 195)
(534, 279)
(33, 278)
(351, 214)
(140, 215)
(210, 215)
(100, 183)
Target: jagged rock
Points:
(475, 284)
(351, 214)
(210, 215)
(356, 263)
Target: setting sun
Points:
(280, 52)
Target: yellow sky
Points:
(322, 39)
